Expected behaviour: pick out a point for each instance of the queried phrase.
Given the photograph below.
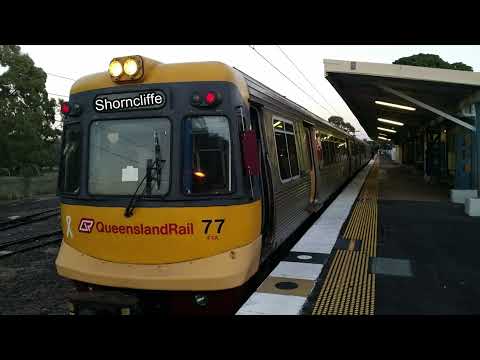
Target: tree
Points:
(349, 128)
(432, 61)
(27, 115)
(338, 122)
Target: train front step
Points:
(103, 303)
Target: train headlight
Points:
(115, 68)
(127, 68)
(130, 67)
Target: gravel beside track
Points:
(31, 285)
(27, 206)
(29, 281)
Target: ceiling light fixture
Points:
(403, 107)
(388, 130)
(390, 122)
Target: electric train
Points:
(183, 178)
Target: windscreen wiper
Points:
(148, 176)
(158, 161)
(157, 166)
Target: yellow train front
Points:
(157, 192)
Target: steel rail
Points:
(28, 219)
(6, 254)
(7, 244)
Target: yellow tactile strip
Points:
(362, 224)
(348, 288)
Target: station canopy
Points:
(437, 95)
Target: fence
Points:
(14, 187)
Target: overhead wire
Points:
(60, 76)
(295, 84)
(306, 78)
(313, 86)
(57, 95)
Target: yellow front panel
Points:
(159, 235)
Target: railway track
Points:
(29, 219)
(13, 247)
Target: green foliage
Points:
(338, 122)
(432, 61)
(27, 115)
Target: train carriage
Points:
(185, 177)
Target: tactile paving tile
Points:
(349, 288)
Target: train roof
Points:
(156, 73)
(260, 90)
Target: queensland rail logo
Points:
(86, 225)
(130, 101)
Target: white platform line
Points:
(319, 238)
(297, 270)
(272, 304)
(323, 234)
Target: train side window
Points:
(69, 179)
(292, 154)
(334, 151)
(286, 149)
(328, 149)
(343, 147)
(352, 148)
(282, 154)
(207, 161)
(340, 149)
(328, 152)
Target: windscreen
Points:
(120, 151)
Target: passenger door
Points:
(308, 136)
(256, 117)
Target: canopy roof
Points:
(443, 92)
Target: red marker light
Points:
(65, 108)
(200, 174)
(210, 98)
(196, 99)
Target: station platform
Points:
(400, 248)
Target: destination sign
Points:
(130, 101)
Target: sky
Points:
(75, 61)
